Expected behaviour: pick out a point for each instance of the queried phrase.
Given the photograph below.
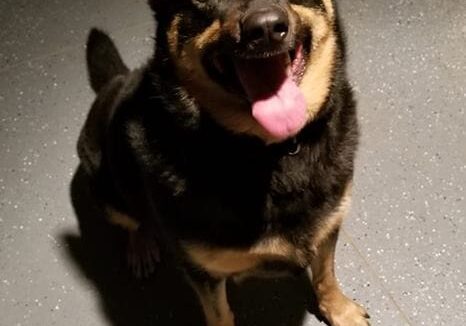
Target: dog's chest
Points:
(233, 191)
(248, 189)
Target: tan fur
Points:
(329, 8)
(172, 35)
(215, 304)
(333, 221)
(234, 112)
(231, 261)
(275, 246)
(333, 304)
(226, 108)
(316, 81)
(121, 219)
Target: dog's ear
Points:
(103, 60)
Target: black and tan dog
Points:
(233, 147)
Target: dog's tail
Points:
(103, 60)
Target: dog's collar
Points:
(314, 130)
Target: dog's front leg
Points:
(333, 304)
(213, 297)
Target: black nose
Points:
(265, 26)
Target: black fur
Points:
(163, 158)
(215, 187)
(155, 155)
(103, 60)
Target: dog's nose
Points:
(266, 26)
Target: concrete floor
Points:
(402, 252)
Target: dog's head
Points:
(260, 67)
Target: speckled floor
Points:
(402, 252)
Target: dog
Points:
(233, 148)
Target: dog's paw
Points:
(143, 254)
(341, 311)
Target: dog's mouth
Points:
(270, 83)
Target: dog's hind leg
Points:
(213, 298)
(142, 250)
(333, 304)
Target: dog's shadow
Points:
(165, 298)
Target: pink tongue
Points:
(277, 102)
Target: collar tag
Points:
(295, 147)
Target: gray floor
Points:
(402, 250)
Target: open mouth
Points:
(223, 67)
(270, 84)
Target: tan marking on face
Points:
(317, 78)
(328, 4)
(230, 261)
(120, 219)
(234, 112)
(231, 111)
